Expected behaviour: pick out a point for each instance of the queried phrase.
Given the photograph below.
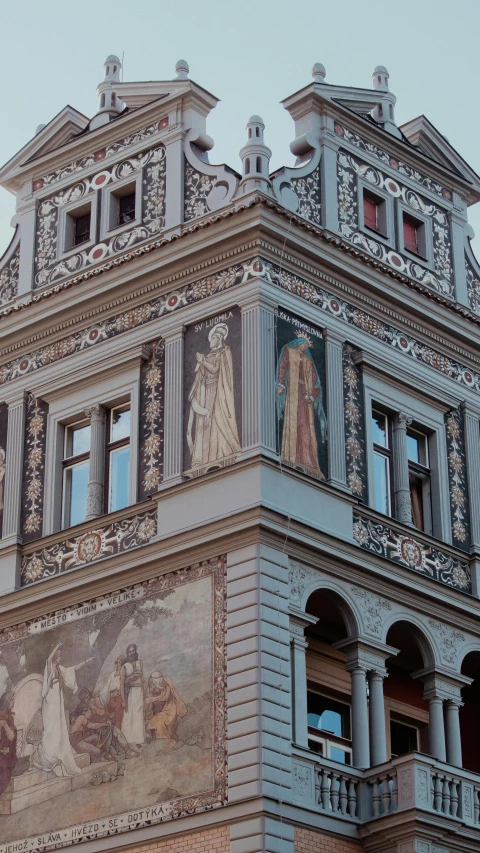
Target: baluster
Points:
(325, 790)
(394, 793)
(318, 777)
(437, 793)
(376, 798)
(454, 798)
(445, 796)
(343, 795)
(334, 792)
(352, 799)
(385, 794)
(476, 805)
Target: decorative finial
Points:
(318, 73)
(380, 77)
(109, 104)
(182, 69)
(112, 66)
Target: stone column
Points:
(436, 729)
(403, 504)
(258, 374)
(360, 734)
(14, 468)
(378, 736)
(452, 732)
(298, 623)
(96, 477)
(337, 473)
(173, 427)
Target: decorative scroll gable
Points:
(34, 468)
(9, 275)
(473, 286)
(299, 189)
(457, 476)
(206, 187)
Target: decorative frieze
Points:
(100, 155)
(402, 168)
(225, 279)
(165, 639)
(348, 170)
(457, 475)
(374, 609)
(473, 287)
(150, 471)
(308, 191)
(355, 445)
(198, 187)
(48, 269)
(101, 541)
(9, 275)
(34, 468)
(386, 542)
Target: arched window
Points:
(391, 111)
(380, 111)
(114, 69)
(113, 99)
(249, 132)
(102, 100)
(257, 131)
(259, 165)
(247, 166)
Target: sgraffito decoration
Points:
(300, 395)
(391, 336)
(34, 468)
(102, 154)
(114, 712)
(457, 476)
(212, 393)
(3, 458)
(355, 445)
(388, 160)
(153, 166)
(308, 192)
(9, 275)
(348, 170)
(96, 544)
(152, 377)
(409, 552)
(473, 287)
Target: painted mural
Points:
(300, 395)
(213, 402)
(3, 457)
(112, 712)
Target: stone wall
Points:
(215, 840)
(307, 841)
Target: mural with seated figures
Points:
(112, 712)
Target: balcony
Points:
(423, 789)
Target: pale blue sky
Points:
(250, 55)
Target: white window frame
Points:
(426, 235)
(387, 202)
(67, 408)
(66, 214)
(107, 229)
(393, 399)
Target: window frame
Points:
(387, 212)
(111, 447)
(423, 472)
(387, 453)
(322, 736)
(425, 235)
(68, 463)
(67, 213)
(108, 214)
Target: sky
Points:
(251, 55)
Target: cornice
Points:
(207, 221)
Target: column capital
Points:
(96, 413)
(332, 336)
(299, 622)
(441, 685)
(401, 420)
(366, 654)
(173, 332)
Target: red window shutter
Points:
(410, 236)
(370, 213)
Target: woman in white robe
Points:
(54, 751)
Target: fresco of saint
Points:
(299, 405)
(212, 433)
(163, 707)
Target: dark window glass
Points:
(81, 229)
(410, 235)
(328, 715)
(126, 208)
(403, 738)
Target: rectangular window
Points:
(329, 730)
(118, 458)
(81, 229)
(370, 211)
(77, 224)
(121, 206)
(419, 479)
(126, 209)
(382, 462)
(412, 235)
(76, 470)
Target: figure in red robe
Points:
(299, 405)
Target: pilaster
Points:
(14, 468)
(458, 224)
(261, 834)
(403, 503)
(173, 426)
(299, 622)
(328, 170)
(27, 218)
(175, 178)
(337, 473)
(96, 477)
(258, 373)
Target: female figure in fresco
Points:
(8, 741)
(299, 402)
(111, 693)
(132, 693)
(163, 707)
(54, 751)
(212, 433)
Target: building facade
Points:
(239, 482)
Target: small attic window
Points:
(257, 131)
(414, 235)
(78, 227)
(374, 212)
(123, 206)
